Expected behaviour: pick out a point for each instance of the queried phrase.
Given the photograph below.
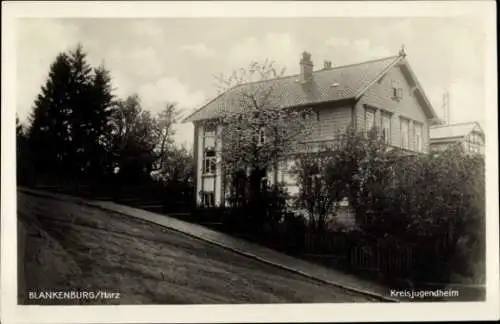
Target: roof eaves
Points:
(190, 116)
(446, 139)
(422, 92)
(479, 126)
(362, 91)
(459, 124)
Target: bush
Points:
(257, 206)
(210, 214)
(433, 203)
(290, 234)
(320, 188)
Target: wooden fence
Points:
(384, 256)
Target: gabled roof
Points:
(454, 130)
(327, 85)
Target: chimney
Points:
(306, 67)
(327, 65)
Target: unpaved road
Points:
(67, 246)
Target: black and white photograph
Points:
(229, 155)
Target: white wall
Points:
(218, 172)
(199, 164)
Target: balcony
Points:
(336, 143)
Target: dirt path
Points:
(89, 249)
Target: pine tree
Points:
(19, 127)
(50, 133)
(20, 148)
(70, 118)
(81, 118)
(98, 114)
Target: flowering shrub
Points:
(433, 202)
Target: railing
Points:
(337, 142)
(314, 146)
(383, 256)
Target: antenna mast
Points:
(446, 107)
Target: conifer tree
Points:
(50, 133)
(70, 118)
(81, 110)
(98, 128)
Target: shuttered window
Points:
(418, 137)
(405, 128)
(369, 119)
(386, 127)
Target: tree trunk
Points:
(257, 201)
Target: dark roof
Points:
(351, 81)
(453, 130)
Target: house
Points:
(383, 92)
(469, 135)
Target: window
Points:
(209, 142)
(209, 135)
(404, 128)
(386, 127)
(476, 138)
(312, 177)
(261, 136)
(264, 184)
(308, 115)
(397, 93)
(208, 199)
(209, 162)
(475, 143)
(288, 174)
(209, 129)
(369, 119)
(418, 137)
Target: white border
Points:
(11, 312)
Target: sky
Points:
(175, 59)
